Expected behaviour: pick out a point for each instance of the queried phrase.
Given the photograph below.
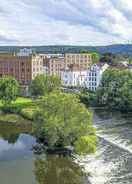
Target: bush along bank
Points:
(61, 121)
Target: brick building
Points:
(82, 59)
(25, 65)
(23, 68)
(53, 65)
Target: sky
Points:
(65, 22)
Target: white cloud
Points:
(82, 22)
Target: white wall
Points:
(90, 78)
(94, 76)
(73, 78)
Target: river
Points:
(112, 163)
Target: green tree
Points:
(116, 89)
(130, 61)
(95, 57)
(107, 58)
(62, 120)
(9, 90)
(88, 97)
(43, 84)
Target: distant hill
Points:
(125, 49)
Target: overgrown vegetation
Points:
(9, 90)
(44, 84)
(62, 121)
(59, 119)
(115, 90)
(88, 97)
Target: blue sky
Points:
(67, 22)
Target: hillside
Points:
(125, 49)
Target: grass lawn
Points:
(20, 101)
(22, 106)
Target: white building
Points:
(73, 76)
(94, 76)
(90, 78)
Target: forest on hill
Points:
(123, 49)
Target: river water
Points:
(112, 163)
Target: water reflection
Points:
(11, 132)
(16, 156)
(54, 170)
(14, 143)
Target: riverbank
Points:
(19, 111)
(13, 119)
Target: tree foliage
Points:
(88, 97)
(86, 144)
(62, 120)
(95, 57)
(43, 84)
(9, 90)
(116, 89)
(114, 59)
(130, 61)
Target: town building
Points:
(53, 65)
(23, 68)
(52, 55)
(77, 76)
(94, 76)
(84, 60)
(74, 75)
(26, 65)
